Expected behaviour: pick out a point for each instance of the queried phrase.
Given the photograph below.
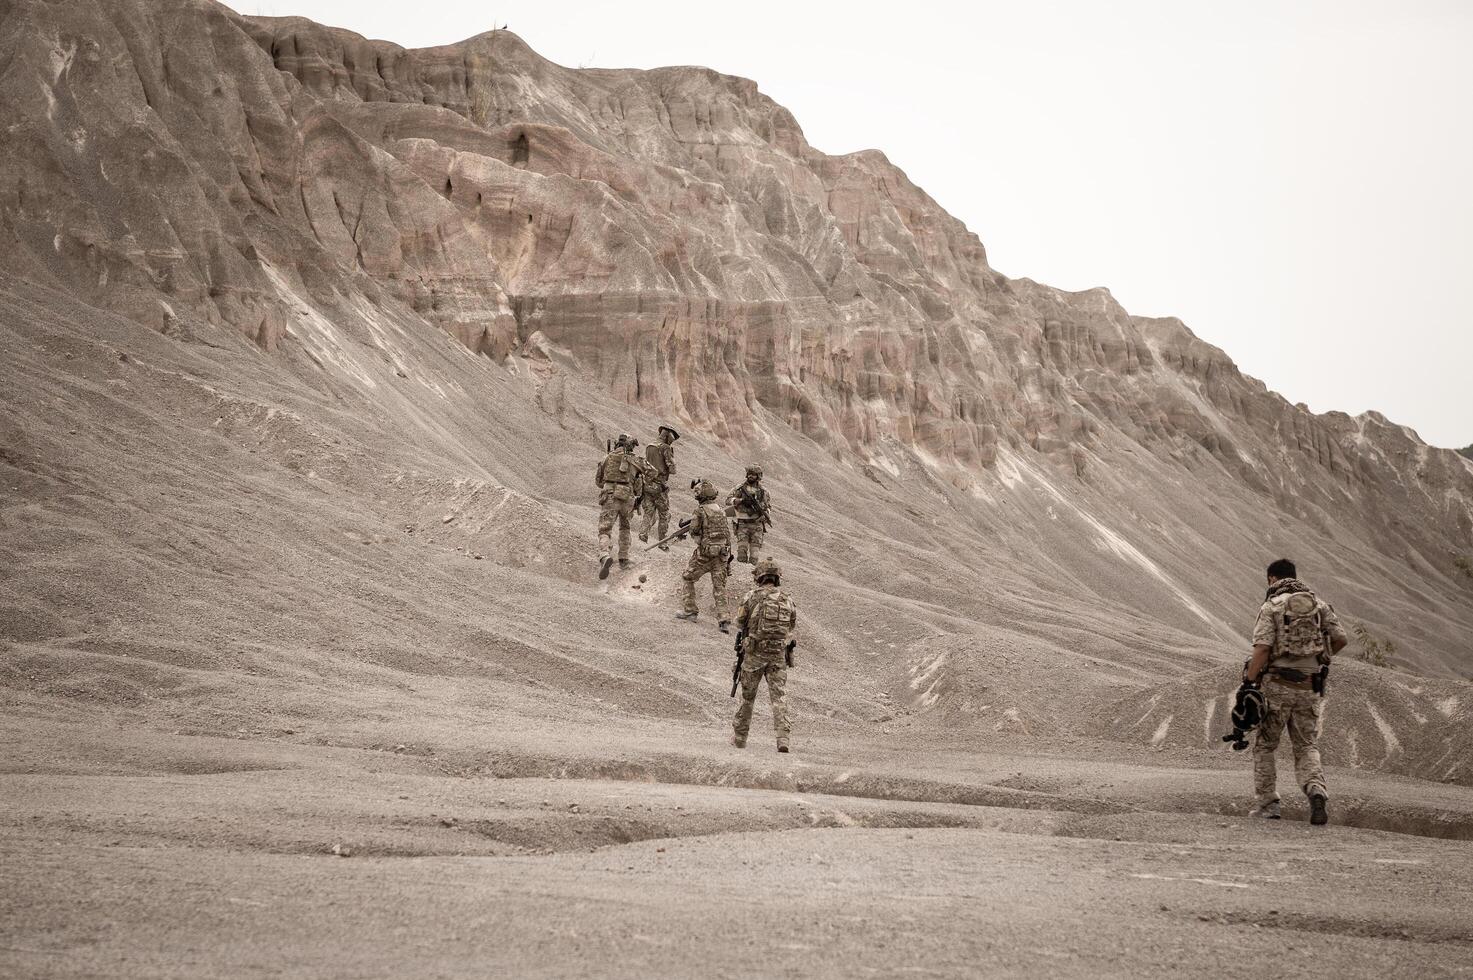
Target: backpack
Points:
(715, 532)
(773, 619)
(1301, 628)
(618, 467)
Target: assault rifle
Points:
(740, 647)
(679, 532)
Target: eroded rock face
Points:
(668, 232)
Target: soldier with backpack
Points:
(767, 621)
(659, 468)
(709, 530)
(1296, 635)
(620, 481)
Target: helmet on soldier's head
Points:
(706, 490)
(753, 469)
(623, 440)
(673, 434)
(767, 569)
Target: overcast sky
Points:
(1292, 179)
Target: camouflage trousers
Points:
(1299, 711)
(713, 565)
(656, 506)
(777, 692)
(749, 536)
(610, 509)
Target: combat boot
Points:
(625, 563)
(782, 746)
(1319, 813)
(724, 626)
(687, 616)
(604, 565)
(664, 547)
(1266, 811)
(644, 536)
(740, 741)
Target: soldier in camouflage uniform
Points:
(768, 622)
(752, 503)
(1296, 635)
(711, 533)
(660, 467)
(620, 481)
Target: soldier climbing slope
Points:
(752, 505)
(620, 479)
(711, 534)
(767, 623)
(1295, 636)
(660, 467)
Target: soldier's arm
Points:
(598, 476)
(744, 612)
(670, 460)
(1334, 630)
(1263, 643)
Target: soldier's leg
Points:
(662, 505)
(754, 542)
(606, 515)
(688, 578)
(647, 516)
(718, 590)
(1304, 736)
(739, 533)
(742, 723)
(777, 692)
(1265, 744)
(626, 512)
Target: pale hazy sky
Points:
(1292, 178)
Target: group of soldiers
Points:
(1294, 638)
(630, 485)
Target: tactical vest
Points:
(771, 620)
(715, 533)
(1299, 626)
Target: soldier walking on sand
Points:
(620, 479)
(659, 468)
(767, 622)
(711, 534)
(752, 504)
(1296, 635)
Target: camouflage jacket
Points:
(660, 463)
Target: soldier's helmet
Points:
(673, 434)
(766, 570)
(706, 490)
(623, 440)
(753, 469)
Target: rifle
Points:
(739, 647)
(679, 532)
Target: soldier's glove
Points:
(788, 653)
